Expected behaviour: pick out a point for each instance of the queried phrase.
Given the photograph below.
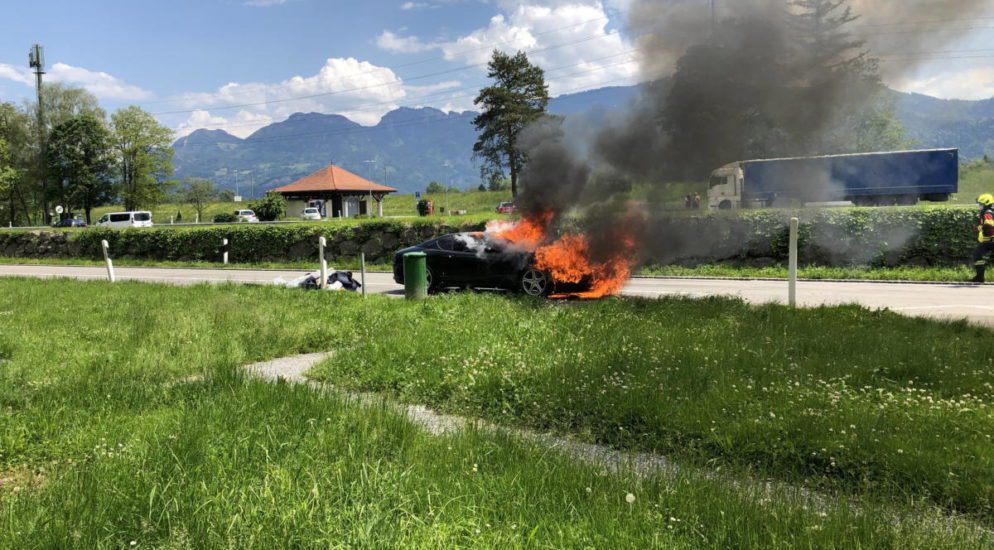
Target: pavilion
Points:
(336, 191)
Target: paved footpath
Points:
(944, 301)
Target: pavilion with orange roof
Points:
(336, 191)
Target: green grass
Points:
(346, 264)
(104, 440)
(836, 398)
(473, 202)
(975, 180)
(864, 273)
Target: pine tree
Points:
(518, 97)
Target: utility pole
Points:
(36, 61)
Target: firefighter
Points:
(985, 236)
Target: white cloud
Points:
(17, 74)
(401, 44)
(569, 38)
(100, 84)
(974, 83)
(264, 3)
(413, 5)
(242, 124)
(357, 89)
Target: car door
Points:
(458, 263)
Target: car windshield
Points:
(142, 216)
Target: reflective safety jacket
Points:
(985, 231)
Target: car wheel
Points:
(535, 282)
(433, 285)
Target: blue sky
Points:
(205, 63)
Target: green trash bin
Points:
(415, 276)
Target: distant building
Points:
(336, 191)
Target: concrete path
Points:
(942, 301)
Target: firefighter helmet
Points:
(986, 199)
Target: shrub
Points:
(225, 217)
(270, 208)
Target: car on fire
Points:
(477, 260)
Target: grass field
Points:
(124, 422)
(837, 398)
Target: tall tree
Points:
(198, 192)
(145, 157)
(80, 163)
(17, 194)
(518, 97)
(62, 102)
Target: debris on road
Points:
(337, 280)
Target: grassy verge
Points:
(351, 264)
(106, 442)
(910, 274)
(836, 398)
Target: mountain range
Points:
(410, 147)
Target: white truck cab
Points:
(725, 187)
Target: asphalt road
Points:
(944, 301)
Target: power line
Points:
(423, 120)
(452, 93)
(381, 84)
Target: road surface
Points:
(943, 301)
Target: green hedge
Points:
(248, 242)
(832, 237)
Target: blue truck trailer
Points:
(865, 179)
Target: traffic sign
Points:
(59, 209)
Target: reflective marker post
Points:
(792, 271)
(362, 272)
(224, 249)
(110, 263)
(416, 276)
(322, 242)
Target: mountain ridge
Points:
(410, 147)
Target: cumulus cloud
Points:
(572, 34)
(100, 84)
(973, 83)
(242, 124)
(357, 89)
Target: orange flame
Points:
(567, 260)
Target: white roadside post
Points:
(792, 270)
(322, 242)
(110, 263)
(224, 247)
(362, 272)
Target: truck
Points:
(864, 179)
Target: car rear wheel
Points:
(535, 282)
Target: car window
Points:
(102, 219)
(445, 243)
(120, 217)
(142, 216)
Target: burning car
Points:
(479, 260)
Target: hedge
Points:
(832, 237)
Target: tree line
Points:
(73, 155)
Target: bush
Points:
(225, 217)
(269, 208)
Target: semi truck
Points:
(864, 179)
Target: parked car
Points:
(70, 222)
(246, 216)
(475, 260)
(311, 214)
(126, 219)
(507, 208)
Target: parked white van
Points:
(126, 219)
